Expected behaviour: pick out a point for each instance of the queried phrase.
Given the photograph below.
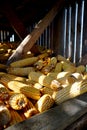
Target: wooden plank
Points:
(57, 118)
(13, 19)
(31, 39)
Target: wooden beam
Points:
(13, 19)
(31, 39)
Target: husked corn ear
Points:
(80, 68)
(53, 74)
(15, 117)
(17, 78)
(63, 74)
(77, 75)
(13, 84)
(85, 76)
(37, 86)
(45, 53)
(61, 58)
(44, 80)
(69, 92)
(39, 64)
(29, 110)
(44, 103)
(2, 66)
(50, 65)
(58, 67)
(46, 90)
(20, 71)
(67, 80)
(4, 93)
(31, 92)
(24, 62)
(41, 56)
(5, 115)
(18, 101)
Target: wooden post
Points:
(31, 39)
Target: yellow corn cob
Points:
(2, 66)
(24, 62)
(4, 93)
(2, 50)
(4, 56)
(44, 80)
(70, 91)
(85, 75)
(24, 71)
(31, 92)
(30, 110)
(50, 66)
(41, 56)
(46, 90)
(13, 84)
(39, 64)
(44, 103)
(58, 67)
(15, 117)
(61, 58)
(63, 74)
(67, 80)
(18, 101)
(14, 77)
(77, 75)
(5, 115)
(37, 86)
(53, 74)
(80, 68)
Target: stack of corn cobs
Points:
(36, 83)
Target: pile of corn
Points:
(36, 83)
(6, 50)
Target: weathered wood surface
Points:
(31, 39)
(57, 118)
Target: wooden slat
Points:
(13, 19)
(57, 118)
(31, 39)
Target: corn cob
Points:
(58, 67)
(4, 93)
(50, 66)
(44, 103)
(44, 80)
(70, 91)
(46, 90)
(3, 67)
(24, 71)
(53, 74)
(24, 62)
(45, 54)
(80, 68)
(63, 74)
(67, 80)
(31, 92)
(30, 110)
(61, 58)
(18, 101)
(37, 86)
(39, 64)
(5, 115)
(85, 75)
(15, 117)
(77, 75)
(17, 78)
(13, 84)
